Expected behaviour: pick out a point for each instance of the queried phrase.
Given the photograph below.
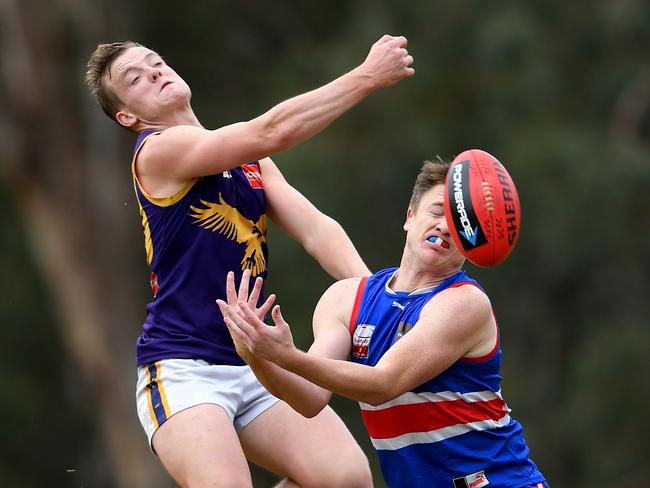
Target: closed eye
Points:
(437, 210)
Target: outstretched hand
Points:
(249, 332)
(235, 297)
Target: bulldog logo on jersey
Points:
(361, 340)
(225, 219)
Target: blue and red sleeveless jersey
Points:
(455, 430)
(213, 225)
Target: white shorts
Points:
(168, 386)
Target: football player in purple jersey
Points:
(204, 195)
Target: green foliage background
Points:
(558, 91)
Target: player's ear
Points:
(126, 119)
(409, 218)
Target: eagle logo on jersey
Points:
(225, 219)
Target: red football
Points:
(482, 208)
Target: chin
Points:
(175, 99)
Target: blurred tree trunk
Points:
(73, 191)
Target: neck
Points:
(183, 116)
(415, 276)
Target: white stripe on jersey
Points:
(410, 398)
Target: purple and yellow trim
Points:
(158, 406)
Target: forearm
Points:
(356, 381)
(303, 396)
(329, 244)
(299, 118)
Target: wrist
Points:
(291, 359)
(363, 79)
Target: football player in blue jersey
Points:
(204, 195)
(424, 353)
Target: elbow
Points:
(311, 411)
(323, 227)
(276, 136)
(382, 393)
(310, 408)
(308, 404)
(377, 398)
(284, 138)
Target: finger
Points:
(250, 316)
(384, 38)
(401, 41)
(238, 334)
(233, 329)
(221, 304)
(266, 306)
(228, 310)
(231, 294)
(243, 285)
(238, 320)
(257, 289)
(408, 60)
(278, 319)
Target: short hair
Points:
(99, 65)
(431, 174)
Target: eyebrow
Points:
(434, 207)
(121, 75)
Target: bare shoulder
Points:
(160, 161)
(338, 300)
(464, 302)
(469, 292)
(168, 145)
(344, 288)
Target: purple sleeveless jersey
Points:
(213, 225)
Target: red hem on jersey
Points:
(428, 416)
(494, 350)
(357, 304)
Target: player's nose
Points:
(154, 73)
(442, 226)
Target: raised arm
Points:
(457, 322)
(186, 152)
(321, 236)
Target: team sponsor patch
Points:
(361, 341)
(153, 281)
(253, 175)
(474, 480)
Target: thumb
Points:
(278, 319)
